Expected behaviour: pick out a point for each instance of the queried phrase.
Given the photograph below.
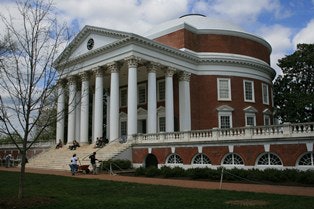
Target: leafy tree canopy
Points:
(294, 90)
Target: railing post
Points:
(287, 129)
(249, 132)
(215, 133)
(186, 136)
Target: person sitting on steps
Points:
(74, 146)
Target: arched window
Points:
(174, 159)
(307, 159)
(232, 159)
(269, 159)
(201, 159)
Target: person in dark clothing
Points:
(93, 159)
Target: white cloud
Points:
(306, 35)
(132, 15)
(240, 11)
(279, 38)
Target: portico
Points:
(104, 83)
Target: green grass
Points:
(71, 192)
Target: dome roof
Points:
(195, 21)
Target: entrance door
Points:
(151, 161)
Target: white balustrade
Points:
(287, 130)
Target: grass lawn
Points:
(49, 191)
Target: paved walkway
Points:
(273, 189)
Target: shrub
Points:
(152, 172)
(169, 172)
(140, 171)
(116, 164)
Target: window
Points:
(201, 159)
(162, 124)
(307, 159)
(265, 93)
(225, 121)
(161, 85)
(174, 159)
(225, 116)
(250, 119)
(266, 120)
(248, 91)
(224, 92)
(232, 159)
(123, 128)
(141, 94)
(269, 159)
(123, 97)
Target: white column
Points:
(132, 95)
(108, 117)
(152, 99)
(114, 102)
(60, 112)
(93, 115)
(84, 108)
(184, 101)
(78, 114)
(71, 109)
(99, 91)
(169, 100)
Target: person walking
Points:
(93, 159)
(74, 165)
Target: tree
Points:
(27, 78)
(294, 90)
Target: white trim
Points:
(229, 89)
(158, 93)
(252, 91)
(265, 96)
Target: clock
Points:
(90, 44)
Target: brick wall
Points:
(215, 43)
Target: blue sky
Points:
(283, 23)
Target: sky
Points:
(283, 23)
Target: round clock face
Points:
(90, 44)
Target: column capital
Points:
(99, 71)
(72, 80)
(132, 61)
(169, 71)
(184, 76)
(113, 67)
(61, 82)
(85, 76)
(152, 67)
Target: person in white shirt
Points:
(73, 165)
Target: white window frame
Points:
(159, 126)
(139, 86)
(225, 114)
(245, 90)
(158, 92)
(251, 115)
(229, 89)
(126, 97)
(267, 117)
(265, 93)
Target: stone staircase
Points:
(59, 159)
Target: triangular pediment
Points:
(90, 39)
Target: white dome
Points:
(196, 21)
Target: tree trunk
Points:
(22, 174)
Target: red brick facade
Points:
(288, 153)
(215, 43)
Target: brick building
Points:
(184, 79)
